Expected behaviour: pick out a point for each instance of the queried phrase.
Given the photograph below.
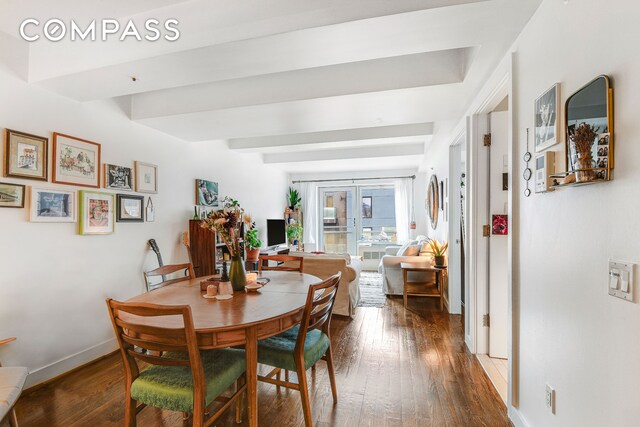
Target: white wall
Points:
(572, 335)
(54, 281)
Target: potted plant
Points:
(252, 243)
(294, 233)
(438, 250)
(293, 198)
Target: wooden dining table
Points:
(241, 320)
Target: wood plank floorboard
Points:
(394, 367)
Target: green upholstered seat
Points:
(278, 351)
(171, 387)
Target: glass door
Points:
(338, 219)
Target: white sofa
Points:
(326, 265)
(412, 251)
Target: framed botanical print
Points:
(129, 208)
(25, 155)
(118, 177)
(206, 193)
(11, 195)
(547, 118)
(75, 161)
(97, 212)
(146, 177)
(49, 205)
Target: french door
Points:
(338, 219)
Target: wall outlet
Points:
(550, 398)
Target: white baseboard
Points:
(70, 362)
(516, 418)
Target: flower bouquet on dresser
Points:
(227, 223)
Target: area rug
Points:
(371, 294)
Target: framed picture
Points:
(146, 177)
(206, 193)
(500, 225)
(49, 205)
(547, 118)
(442, 196)
(75, 161)
(97, 212)
(129, 208)
(11, 195)
(118, 177)
(25, 155)
(367, 207)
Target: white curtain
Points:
(309, 193)
(403, 207)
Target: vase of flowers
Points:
(227, 223)
(252, 242)
(583, 138)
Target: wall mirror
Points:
(592, 104)
(433, 201)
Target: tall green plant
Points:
(293, 197)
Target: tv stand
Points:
(275, 250)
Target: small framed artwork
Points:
(11, 195)
(49, 205)
(146, 179)
(500, 225)
(206, 193)
(442, 196)
(367, 207)
(547, 118)
(25, 155)
(97, 213)
(118, 177)
(75, 161)
(129, 208)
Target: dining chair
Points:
(183, 379)
(11, 383)
(286, 260)
(299, 348)
(165, 271)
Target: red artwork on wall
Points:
(500, 225)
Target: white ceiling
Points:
(312, 86)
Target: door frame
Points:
(455, 260)
(476, 335)
(357, 220)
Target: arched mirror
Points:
(592, 105)
(433, 204)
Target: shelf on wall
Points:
(563, 175)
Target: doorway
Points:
(457, 207)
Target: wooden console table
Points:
(425, 288)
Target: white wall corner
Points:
(15, 54)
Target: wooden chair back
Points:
(166, 270)
(263, 263)
(140, 342)
(317, 310)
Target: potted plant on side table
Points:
(294, 234)
(293, 198)
(438, 250)
(252, 243)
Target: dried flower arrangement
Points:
(227, 223)
(583, 138)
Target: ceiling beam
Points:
(347, 153)
(373, 134)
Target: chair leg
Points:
(130, 412)
(313, 370)
(304, 394)
(13, 420)
(278, 377)
(239, 383)
(286, 375)
(332, 376)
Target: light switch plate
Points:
(619, 271)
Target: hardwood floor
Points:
(394, 367)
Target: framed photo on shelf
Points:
(97, 212)
(146, 177)
(11, 195)
(49, 205)
(129, 208)
(75, 161)
(118, 177)
(547, 119)
(206, 193)
(25, 155)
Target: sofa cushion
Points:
(404, 247)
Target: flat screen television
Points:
(276, 233)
